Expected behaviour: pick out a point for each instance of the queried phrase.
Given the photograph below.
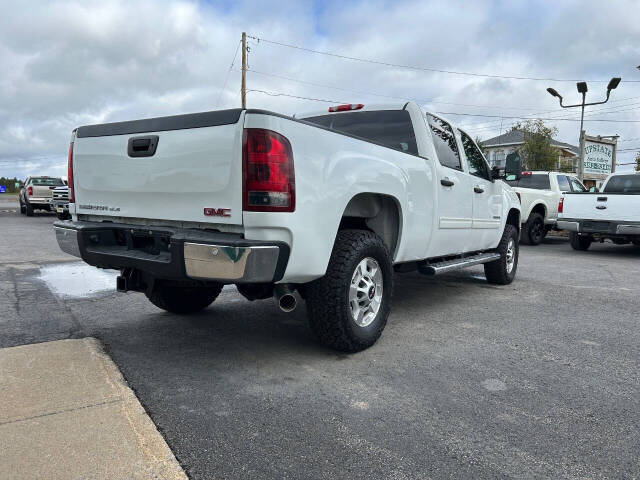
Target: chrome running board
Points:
(437, 268)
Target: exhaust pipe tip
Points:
(287, 302)
(285, 298)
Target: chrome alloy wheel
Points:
(365, 292)
(511, 255)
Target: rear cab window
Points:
(391, 128)
(536, 181)
(46, 182)
(623, 184)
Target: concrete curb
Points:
(68, 413)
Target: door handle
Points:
(446, 182)
(478, 189)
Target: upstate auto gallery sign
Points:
(598, 156)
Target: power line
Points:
(280, 94)
(373, 94)
(228, 73)
(426, 69)
(540, 118)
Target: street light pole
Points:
(582, 88)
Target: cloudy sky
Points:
(68, 63)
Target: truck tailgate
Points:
(602, 206)
(181, 168)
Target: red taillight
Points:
(346, 107)
(519, 198)
(30, 191)
(526, 174)
(561, 205)
(269, 180)
(72, 197)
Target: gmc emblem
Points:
(217, 212)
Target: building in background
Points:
(497, 148)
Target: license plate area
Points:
(134, 243)
(595, 226)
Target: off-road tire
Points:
(183, 300)
(580, 242)
(497, 272)
(23, 209)
(533, 231)
(327, 300)
(29, 209)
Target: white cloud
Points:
(73, 63)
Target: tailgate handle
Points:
(142, 146)
(602, 199)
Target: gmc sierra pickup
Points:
(328, 205)
(612, 214)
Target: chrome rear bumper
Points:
(246, 264)
(174, 253)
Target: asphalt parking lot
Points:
(536, 379)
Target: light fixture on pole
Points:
(582, 88)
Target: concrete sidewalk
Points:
(67, 413)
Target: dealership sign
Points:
(599, 155)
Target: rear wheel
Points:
(179, 299)
(29, 210)
(503, 270)
(534, 230)
(580, 242)
(23, 209)
(349, 306)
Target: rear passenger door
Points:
(454, 193)
(487, 196)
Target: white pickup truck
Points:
(613, 213)
(329, 205)
(539, 194)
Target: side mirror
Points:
(498, 173)
(594, 190)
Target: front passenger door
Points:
(487, 196)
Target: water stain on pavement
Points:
(77, 280)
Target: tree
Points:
(638, 162)
(481, 146)
(537, 152)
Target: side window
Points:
(445, 142)
(475, 159)
(563, 183)
(576, 186)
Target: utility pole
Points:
(243, 86)
(582, 88)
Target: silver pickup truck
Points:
(36, 194)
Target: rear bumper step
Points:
(600, 227)
(174, 253)
(437, 268)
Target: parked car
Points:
(36, 194)
(329, 205)
(539, 194)
(60, 202)
(611, 214)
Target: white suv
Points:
(539, 194)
